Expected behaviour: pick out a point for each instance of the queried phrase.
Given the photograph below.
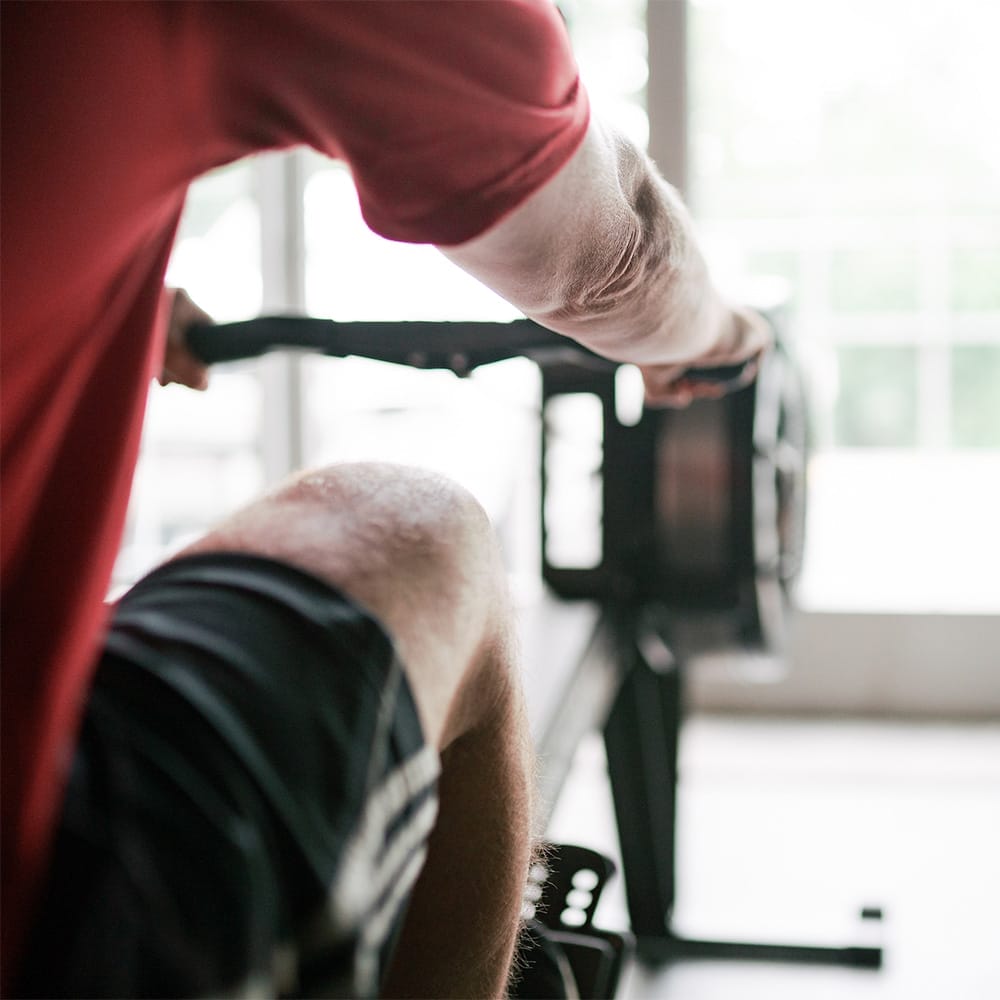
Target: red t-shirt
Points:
(449, 115)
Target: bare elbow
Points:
(632, 275)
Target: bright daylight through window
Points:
(849, 149)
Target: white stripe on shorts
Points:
(372, 857)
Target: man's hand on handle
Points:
(678, 385)
(179, 364)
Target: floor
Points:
(788, 827)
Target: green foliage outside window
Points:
(975, 279)
(877, 402)
(875, 280)
(975, 396)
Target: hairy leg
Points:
(461, 928)
(419, 553)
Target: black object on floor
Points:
(564, 955)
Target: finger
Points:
(184, 370)
(669, 397)
(179, 364)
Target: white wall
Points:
(931, 666)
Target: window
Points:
(848, 150)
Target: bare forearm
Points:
(637, 288)
(605, 254)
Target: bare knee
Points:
(418, 551)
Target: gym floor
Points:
(788, 827)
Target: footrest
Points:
(565, 955)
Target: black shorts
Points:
(250, 798)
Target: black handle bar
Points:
(457, 346)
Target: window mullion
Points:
(280, 183)
(667, 90)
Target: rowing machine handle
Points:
(458, 346)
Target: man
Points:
(233, 785)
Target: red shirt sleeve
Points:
(448, 112)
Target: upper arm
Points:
(448, 112)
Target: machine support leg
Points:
(641, 739)
(641, 742)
